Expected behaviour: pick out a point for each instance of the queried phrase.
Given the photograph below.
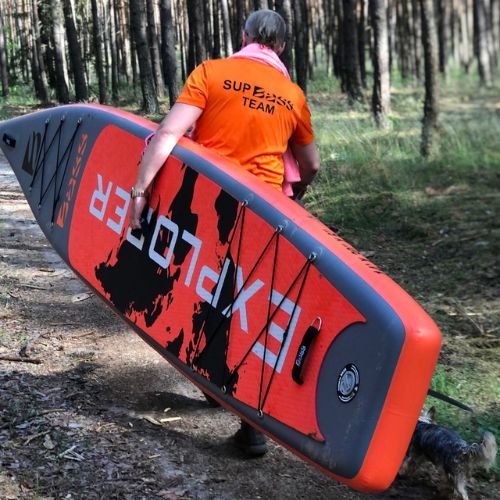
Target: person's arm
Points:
(172, 128)
(308, 160)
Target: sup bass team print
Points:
(257, 97)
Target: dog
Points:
(449, 452)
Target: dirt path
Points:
(84, 422)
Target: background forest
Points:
(406, 110)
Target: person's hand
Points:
(138, 205)
(299, 190)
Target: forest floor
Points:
(86, 421)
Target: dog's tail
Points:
(484, 454)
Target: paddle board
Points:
(241, 289)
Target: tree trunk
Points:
(339, 53)
(391, 23)
(362, 42)
(216, 30)
(260, 4)
(37, 63)
(4, 71)
(301, 44)
(417, 37)
(154, 47)
(431, 64)
(196, 33)
(75, 54)
(240, 20)
(182, 30)
(114, 52)
(124, 39)
(351, 60)
(23, 43)
(61, 85)
(137, 21)
(207, 28)
(442, 34)
(99, 58)
(103, 6)
(481, 39)
(168, 50)
(284, 8)
(381, 96)
(228, 44)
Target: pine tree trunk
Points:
(466, 44)
(301, 45)
(216, 30)
(481, 38)
(351, 61)
(339, 53)
(114, 52)
(154, 47)
(105, 38)
(208, 24)
(61, 85)
(431, 63)
(37, 63)
(362, 42)
(75, 54)
(381, 96)
(284, 8)
(182, 36)
(417, 37)
(124, 37)
(442, 34)
(196, 33)
(168, 50)
(98, 50)
(329, 20)
(495, 30)
(4, 70)
(23, 43)
(228, 44)
(391, 23)
(137, 21)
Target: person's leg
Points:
(251, 441)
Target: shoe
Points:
(250, 441)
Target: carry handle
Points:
(303, 350)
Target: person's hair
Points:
(266, 27)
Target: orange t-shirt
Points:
(250, 112)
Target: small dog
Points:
(449, 452)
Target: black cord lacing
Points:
(40, 163)
(240, 216)
(271, 288)
(250, 274)
(303, 271)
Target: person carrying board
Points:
(246, 108)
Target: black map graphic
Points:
(136, 284)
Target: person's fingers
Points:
(136, 210)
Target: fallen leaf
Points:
(151, 420)
(79, 297)
(170, 419)
(48, 443)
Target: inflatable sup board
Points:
(241, 289)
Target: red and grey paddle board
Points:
(242, 290)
